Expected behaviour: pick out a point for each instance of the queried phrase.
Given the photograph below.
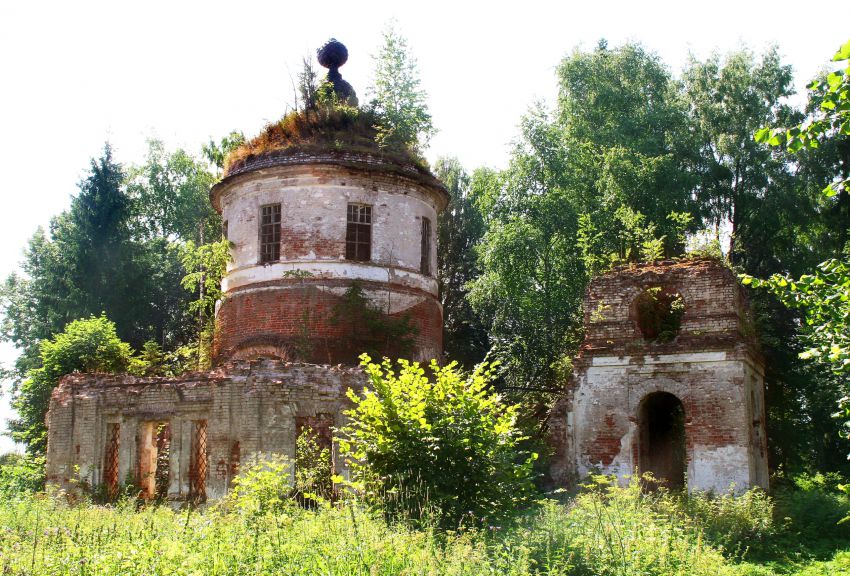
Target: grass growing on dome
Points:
(321, 128)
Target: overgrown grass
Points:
(604, 530)
(325, 127)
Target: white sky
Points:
(75, 74)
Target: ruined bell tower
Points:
(669, 380)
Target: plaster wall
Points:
(606, 414)
(314, 201)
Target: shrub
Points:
(86, 345)
(812, 510)
(733, 521)
(264, 484)
(20, 475)
(612, 529)
(313, 483)
(449, 444)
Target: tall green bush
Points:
(86, 345)
(444, 443)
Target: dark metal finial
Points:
(333, 55)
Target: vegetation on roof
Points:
(322, 127)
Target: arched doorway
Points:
(661, 448)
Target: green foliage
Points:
(735, 522)
(459, 227)
(830, 120)
(216, 153)
(592, 185)
(88, 345)
(313, 467)
(206, 266)
(659, 314)
(370, 329)
(116, 251)
(398, 98)
(20, 475)
(824, 298)
(273, 483)
(605, 530)
(170, 191)
(264, 484)
(738, 181)
(446, 443)
(308, 85)
(815, 511)
(610, 529)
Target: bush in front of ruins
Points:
(441, 446)
(86, 345)
(20, 474)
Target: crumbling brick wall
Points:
(246, 407)
(299, 320)
(626, 386)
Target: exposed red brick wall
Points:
(297, 242)
(714, 315)
(293, 320)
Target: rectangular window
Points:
(110, 459)
(358, 233)
(224, 230)
(198, 462)
(269, 233)
(425, 248)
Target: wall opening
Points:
(659, 314)
(154, 460)
(198, 462)
(110, 460)
(662, 448)
(313, 459)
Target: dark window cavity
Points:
(358, 233)
(269, 233)
(425, 248)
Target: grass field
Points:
(603, 530)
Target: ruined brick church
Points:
(684, 401)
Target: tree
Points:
(205, 267)
(96, 258)
(171, 193)
(447, 442)
(397, 96)
(216, 153)
(531, 280)
(459, 228)
(89, 345)
(600, 181)
(824, 295)
(739, 182)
